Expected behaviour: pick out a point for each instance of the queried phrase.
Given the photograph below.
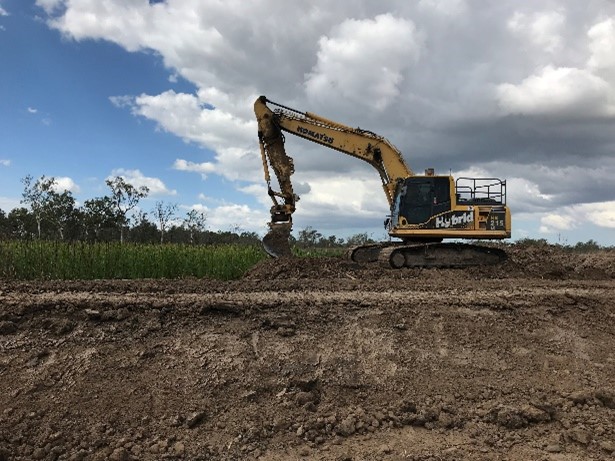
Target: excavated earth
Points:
(316, 359)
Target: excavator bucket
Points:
(276, 243)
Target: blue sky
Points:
(57, 119)
(162, 94)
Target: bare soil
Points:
(316, 359)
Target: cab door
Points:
(421, 198)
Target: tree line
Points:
(49, 213)
(311, 238)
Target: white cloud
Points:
(49, 6)
(3, 12)
(600, 214)
(233, 139)
(358, 197)
(543, 29)
(257, 190)
(188, 116)
(562, 91)
(63, 183)
(336, 201)
(363, 61)
(8, 203)
(122, 101)
(203, 168)
(602, 46)
(45, 119)
(137, 25)
(538, 189)
(138, 179)
(444, 7)
(5, 162)
(235, 217)
(526, 195)
(556, 222)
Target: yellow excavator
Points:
(424, 209)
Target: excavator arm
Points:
(275, 119)
(362, 144)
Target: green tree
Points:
(249, 238)
(21, 223)
(359, 239)
(98, 215)
(35, 196)
(4, 231)
(164, 213)
(195, 222)
(144, 231)
(587, 247)
(308, 237)
(124, 197)
(331, 242)
(59, 209)
(47, 204)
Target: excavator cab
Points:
(422, 197)
(434, 207)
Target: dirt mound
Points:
(542, 261)
(272, 269)
(553, 261)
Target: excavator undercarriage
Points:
(443, 255)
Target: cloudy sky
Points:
(161, 92)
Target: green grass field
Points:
(85, 261)
(53, 260)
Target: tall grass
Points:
(55, 260)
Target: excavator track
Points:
(367, 253)
(428, 255)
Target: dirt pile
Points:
(556, 262)
(315, 359)
(536, 261)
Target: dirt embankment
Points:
(316, 359)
